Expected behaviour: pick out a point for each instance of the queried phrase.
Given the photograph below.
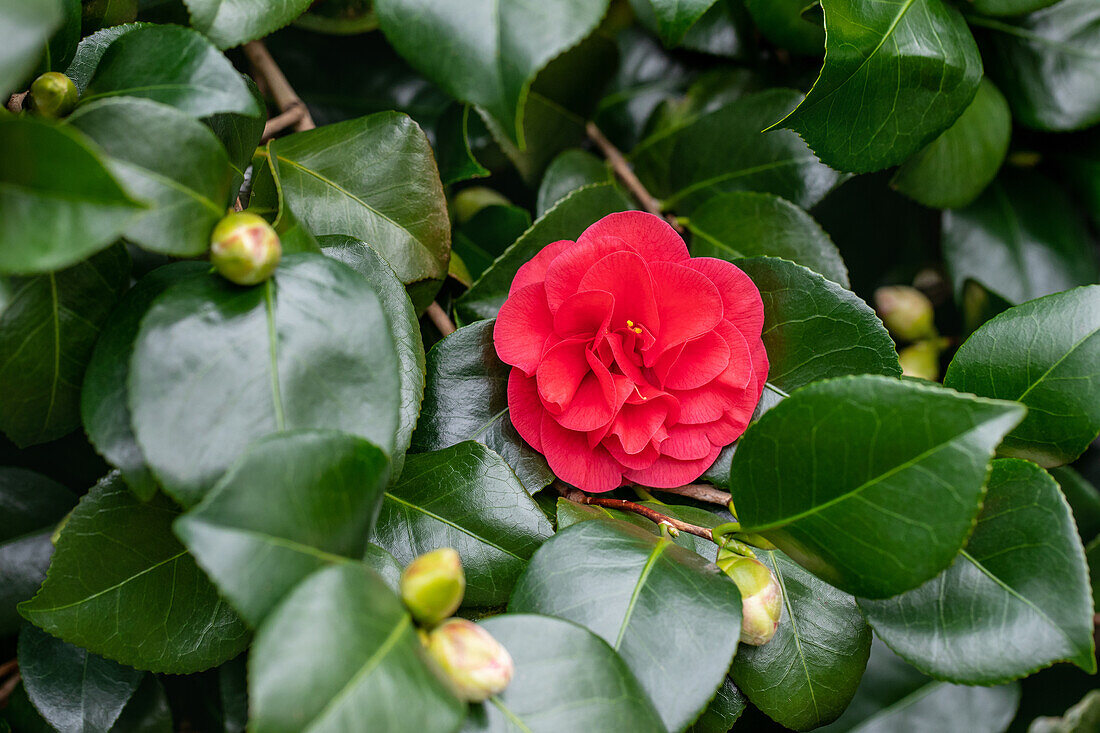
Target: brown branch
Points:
(8, 667)
(8, 687)
(15, 103)
(652, 515)
(699, 492)
(264, 66)
(440, 318)
(279, 123)
(622, 169)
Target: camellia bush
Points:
(423, 366)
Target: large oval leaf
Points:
(467, 498)
(1022, 577)
(782, 23)
(1044, 354)
(216, 366)
(873, 106)
(671, 615)
(28, 26)
(230, 23)
(569, 171)
(870, 483)
(150, 606)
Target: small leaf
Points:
(91, 50)
(150, 606)
(570, 170)
(724, 710)
(467, 498)
(673, 617)
(452, 147)
(363, 663)
(870, 483)
(27, 26)
(230, 23)
(676, 17)
(1083, 498)
(782, 22)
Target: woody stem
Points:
(440, 319)
(699, 492)
(288, 101)
(674, 525)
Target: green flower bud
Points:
(472, 661)
(761, 597)
(906, 312)
(922, 359)
(433, 584)
(54, 94)
(245, 249)
(469, 201)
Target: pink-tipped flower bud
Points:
(433, 585)
(54, 94)
(472, 661)
(761, 597)
(245, 249)
(906, 312)
(922, 359)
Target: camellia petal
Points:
(564, 275)
(523, 327)
(561, 372)
(667, 472)
(650, 236)
(572, 460)
(696, 363)
(534, 270)
(741, 300)
(626, 276)
(524, 407)
(585, 314)
(689, 305)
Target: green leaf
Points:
(374, 179)
(175, 66)
(724, 150)
(466, 398)
(782, 23)
(566, 679)
(72, 688)
(147, 711)
(487, 234)
(240, 135)
(897, 74)
(31, 505)
(956, 167)
(1046, 64)
(807, 674)
(103, 396)
(150, 606)
(230, 23)
(1083, 498)
(47, 331)
(675, 17)
(486, 52)
(895, 697)
(1022, 238)
(672, 616)
(27, 26)
(91, 50)
(723, 711)
(364, 664)
(165, 158)
(465, 497)
(1043, 354)
(814, 329)
(63, 42)
(403, 325)
(570, 170)
(230, 365)
(567, 220)
(1009, 7)
(747, 224)
(452, 147)
(1022, 577)
(256, 550)
(870, 483)
(385, 565)
(58, 202)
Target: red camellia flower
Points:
(633, 361)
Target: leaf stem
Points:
(282, 121)
(440, 319)
(675, 526)
(699, 492)
(265, 68)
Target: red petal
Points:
(571, 460)
(760, 366)
(688, 302)
(584, 314)
(740, 368)
(524, 408)
(667, 472)
(650, 236)
(626, 277)
(643, 459)
(687, 442)
(589, 409)
(523, 326)
(706, 404)
(563, 276)
(740, 296)
(534, 270)
(698, 362)
(636, 424)
(561, 371)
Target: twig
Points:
(652, 515)
(279, 123)
(626, 174)
(285, 96)
(699, 492)
(440, 318)
(8, 667)
(8, 687)
(15, 103)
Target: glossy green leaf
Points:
(150, 607)
(815, 329)
(230, 23)
(310, 348)
(385, 565)
(566, 679)
(462, 47)
(91, 50)
(567, 220)
(147, 711)
(807, 674)
(167, 160)
(724, 710)
(240, 135)
(58, 202)
(1083, 498)
(340, 651)
(1043, 354)
(452, 147)
(569, 171)
(874, 499)
(103, 396)
(465, 497)
(569, 513)
(329, 487)
(27, 26)
(72, 688)
(487, 234)
(1009, 7)
(675, 17)
(1022, 577)
(724, 30)
(724, 150)
(372, 178)
(782, 22)
(47, 331)
(895, 76)
(672, 616)
(748, 224)
(1046, 63)
(956, 167)
(1022, 239)
(466, 398)
(63, 42)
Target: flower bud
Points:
(469, 201)
(906, 312)
(922, 359)
(245, 249)
(761, 598)
(54, 94)
(433, 584)
(473, 662)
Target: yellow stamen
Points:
(637, 330)
(630, 324)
